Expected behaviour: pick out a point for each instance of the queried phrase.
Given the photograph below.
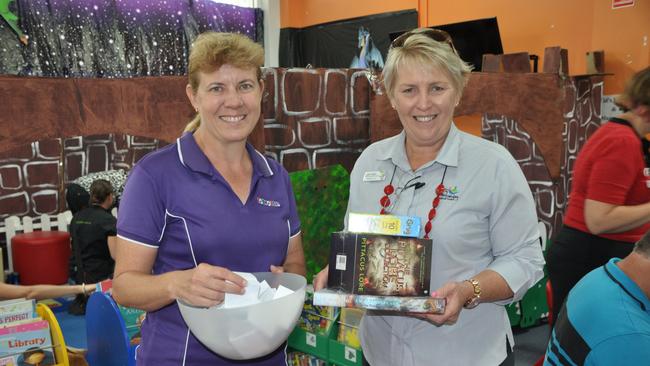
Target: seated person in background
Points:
(40, 292)
(76, 197)
(117, 178)
(606, 317)
(93, 231)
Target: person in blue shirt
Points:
(606, 318)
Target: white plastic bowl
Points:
(251, 331)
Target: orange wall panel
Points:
(528, 26)
(579, 26)
(624, 35)
(303, 13)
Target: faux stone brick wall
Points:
(316, 117)
(311, 118)
(581, 119)
(33, 177)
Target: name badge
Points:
(269, 203)
(374, 176)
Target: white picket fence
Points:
(15, 225)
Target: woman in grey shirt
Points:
(475, 204)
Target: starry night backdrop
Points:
(114, 38)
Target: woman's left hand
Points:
(456, 293)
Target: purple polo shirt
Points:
(177, 202)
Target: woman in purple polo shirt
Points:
(209, 204)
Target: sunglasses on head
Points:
(435, 34)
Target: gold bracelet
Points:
(83, 288)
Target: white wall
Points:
(271, 9)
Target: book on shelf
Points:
(349, 322)
(316, 319)
(105, 286)
(296, 358)
(27, 344)
(12, 301)
(133, 319)
(411, 304)
(16, 310)
(385, 265)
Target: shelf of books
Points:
(345, 349)
(533, 307)
(326, 336)
(30, 335)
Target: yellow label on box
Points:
(384, 224)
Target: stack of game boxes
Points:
(310, 340)
(380, 264)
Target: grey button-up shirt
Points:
(485, 220)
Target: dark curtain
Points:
(113, 38)
(335, 44)
(290, 54)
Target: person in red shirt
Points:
(609, 203)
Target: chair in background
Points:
(58, 343)
(14, 225)
(108, 340)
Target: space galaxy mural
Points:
(111, 38)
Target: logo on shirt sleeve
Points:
(268, 203)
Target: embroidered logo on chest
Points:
(269, 203)
(451, 194)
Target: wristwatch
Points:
(473, 301)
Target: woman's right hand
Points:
(205, 285)
(320, 280)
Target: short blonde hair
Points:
(211, 50)
(417, 47)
